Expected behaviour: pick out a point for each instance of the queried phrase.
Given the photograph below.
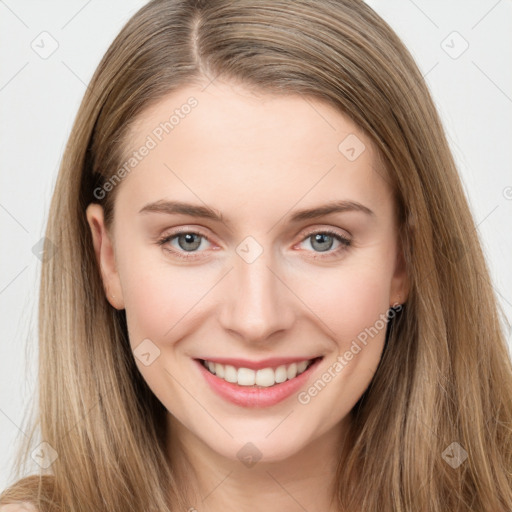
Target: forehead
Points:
(232, 148)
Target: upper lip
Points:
(272, 362)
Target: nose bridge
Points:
(255, 304)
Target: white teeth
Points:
(246, 377)
(230, 373)
(292, 371)
(265, 377)
(219, 370)
(301, 366)
(281, 374)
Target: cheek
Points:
(349, 300)
(352, 306)
(157, 297)
(351, 303)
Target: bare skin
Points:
(257, 160)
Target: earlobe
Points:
(400, 281)
(105, 258)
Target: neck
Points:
(214, 483)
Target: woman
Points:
(268, 291)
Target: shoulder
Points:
(18, 507)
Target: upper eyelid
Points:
(337, 231)
(305, 235)
(306, 232)
(192, 228)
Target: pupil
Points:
(190, 238)
(321, 239)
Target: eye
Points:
(323, 241)
(183, 242)
(191, 242)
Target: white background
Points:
(39, 99)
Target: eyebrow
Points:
(179, 207)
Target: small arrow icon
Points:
(249, 249)
(44, 455)
(249, 455)
(454, 45)
(454, 455)
(351, 147)
(146, 352)
(44, 44)
(41, 253)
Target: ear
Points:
(400, 280)
(104, 250)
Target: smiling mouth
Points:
(262, 378)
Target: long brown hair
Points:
(443, 388)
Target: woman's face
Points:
(255, 233)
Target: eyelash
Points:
(344, 241)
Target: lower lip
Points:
(247, 396)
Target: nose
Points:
(256, 302)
